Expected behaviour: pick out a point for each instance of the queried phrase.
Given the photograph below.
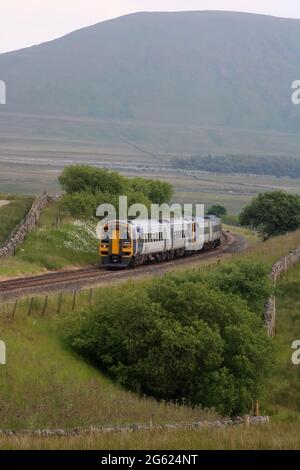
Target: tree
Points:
(87, 187)
(158, 192)
(79, 205)
(217, 210)
(272, 213)
(84, 178)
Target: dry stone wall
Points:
(222, 423)
(19, 234)
(278, 270)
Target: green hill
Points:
(217, 70)
(210, 68)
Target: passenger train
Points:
(137, 242)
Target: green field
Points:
(12, 214)
(30, 163)
(232, 191)
(54, 244)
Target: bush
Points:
(156, 191)
(248, 279)
(273, 213)
(217, 210)
(87, 187)
(81, 205)
(84, 178)
(181, 338)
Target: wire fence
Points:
(46, 305)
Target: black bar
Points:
(138, 459)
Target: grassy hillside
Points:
(152, 86)
(54, 244)
(12, 214)
(45, 385)
(283, 400)
(173, 67)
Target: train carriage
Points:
(136, 242)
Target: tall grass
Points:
(12, 214)
(45, 386)
(283, 399)
(263, 437)
(54, 244)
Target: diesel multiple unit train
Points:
(133, 243)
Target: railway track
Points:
(96, 276)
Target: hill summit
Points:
(204, 68)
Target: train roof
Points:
(155, 222)
(212, 217)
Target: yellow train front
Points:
(117, 245)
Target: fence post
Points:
(59, 302)
(247, 421)
(74, 300)
(14, 309)
(45, 305)
(30, 306)
(151, 421)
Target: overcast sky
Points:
(27, 22)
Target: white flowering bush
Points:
(59, 246)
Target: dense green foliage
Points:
(244, 164)
(87, 187)
(84, 178)
(187, 337)
(273, 213)
(217, 210)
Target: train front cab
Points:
(117, 245)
